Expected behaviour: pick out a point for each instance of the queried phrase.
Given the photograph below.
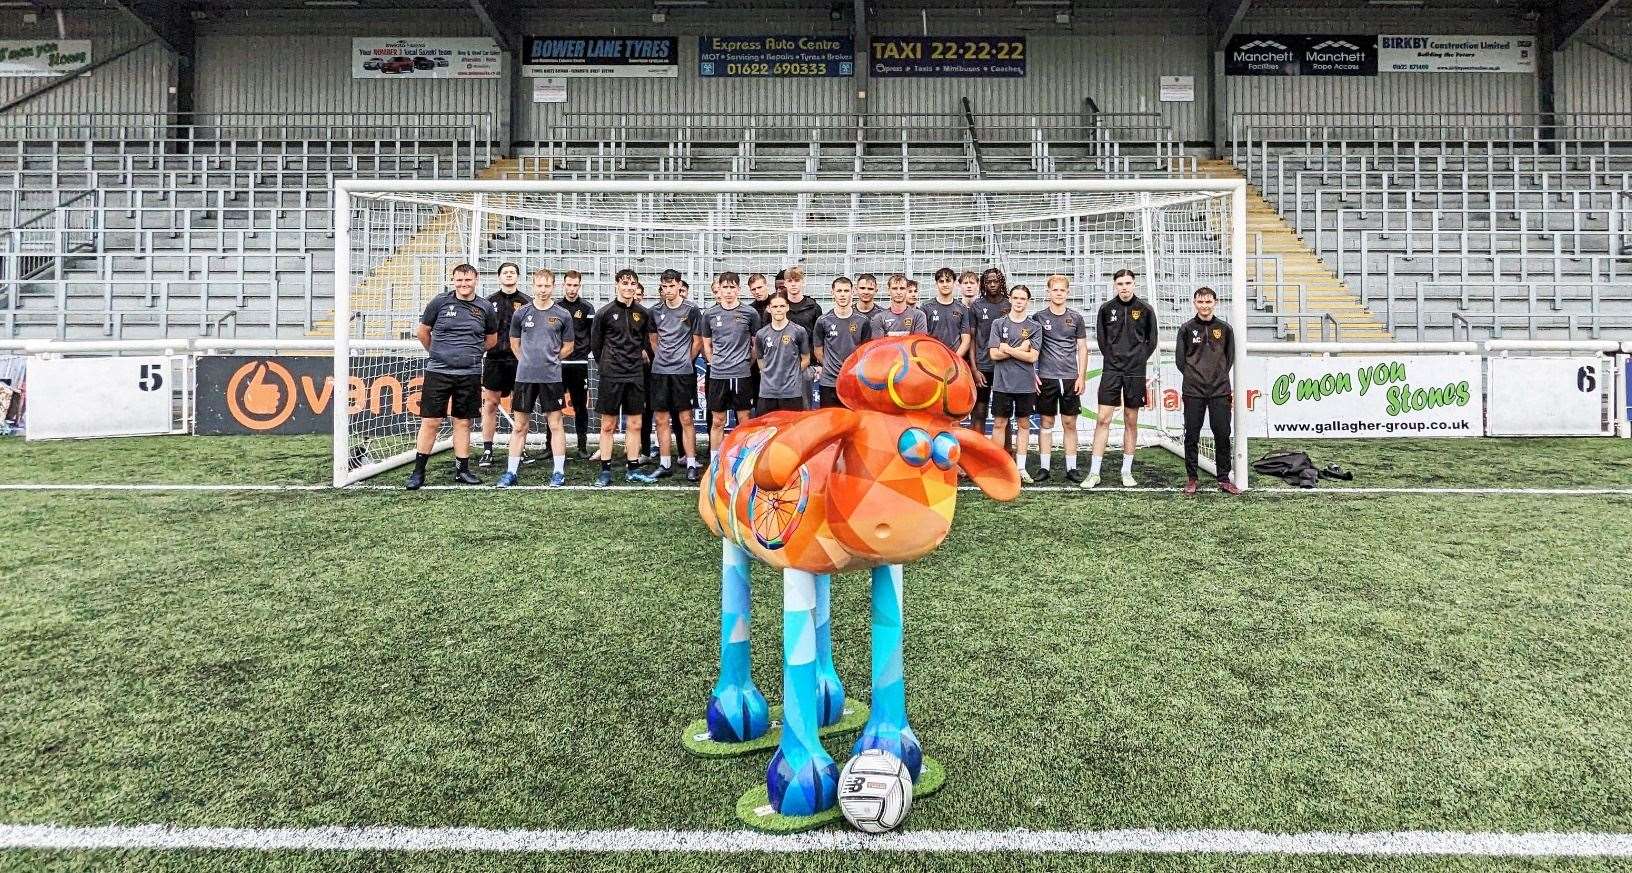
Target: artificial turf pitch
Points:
(524, 660)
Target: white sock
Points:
(1020, 459)
(560, 463)
(1043, 458)
(515, 463)
(690, 461)
(1093, 466)
(1071, 461)
(667, 461)
(1127, 465)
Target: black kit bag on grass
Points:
(1293, 468)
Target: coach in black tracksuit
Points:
(1205, 353)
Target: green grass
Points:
(1581, 463)
(296, 659)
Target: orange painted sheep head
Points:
(874, 483)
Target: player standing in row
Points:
(456, 329)
(912, 293)
(969, 288)
(728, 344)
(1205, 352)
(946, 318)
(679, 326)
(575, 366)
(1060, 373)
(499, 369)
(866, 291)
(782, 350)
(838, 333)
(1014, 348)
(540, 335)
(992, 305)
(1126, 333)
(759, 293)
(901, 318)
(622, 341)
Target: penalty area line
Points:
(1229, 842)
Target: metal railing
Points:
(1531, 296)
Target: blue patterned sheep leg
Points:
(887, 726)
(829, 690)
(737, 711)
(802, 778)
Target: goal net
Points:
(397, 242)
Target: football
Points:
(875, 791)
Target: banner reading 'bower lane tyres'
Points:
(602, 57)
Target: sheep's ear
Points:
(987, 464)
(797, 442)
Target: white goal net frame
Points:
(395, 241)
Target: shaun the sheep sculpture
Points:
(873, 485)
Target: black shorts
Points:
(1056, 397)
(781, 404)
(1006, 405)
(674, 393)
(540, 396)
(983, 393)
(829, 397)
(628, 398)
(1124, 389)
(499, 374)
(728, 394)
(442, 395)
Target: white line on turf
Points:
(1059, 489)
(390, 839)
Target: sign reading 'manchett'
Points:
(1286, 54)
(1456, 54)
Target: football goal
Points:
(396, 242)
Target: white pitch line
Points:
(678, 489)
(390, 839)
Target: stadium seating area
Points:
(1469, 228)
(1428, 229)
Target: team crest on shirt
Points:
(1134, 315)
(852, 327)
(1025, 333)
(554, 322)
(1218, 334)
(635, 316)
(786, 339)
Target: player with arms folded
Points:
(782, 350)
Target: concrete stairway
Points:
(406, 269)
(1323, 290)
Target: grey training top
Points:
(542, 333)
(675, 328)
(1012, 375)
(838, 337)
(887, 323)
(982, 314)
(947, 321)
(459, 330)
(779, 350)
(1063, 334)
(732, 331)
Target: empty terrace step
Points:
(1324, 292)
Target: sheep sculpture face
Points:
(871, 485)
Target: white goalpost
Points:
(396, 242)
